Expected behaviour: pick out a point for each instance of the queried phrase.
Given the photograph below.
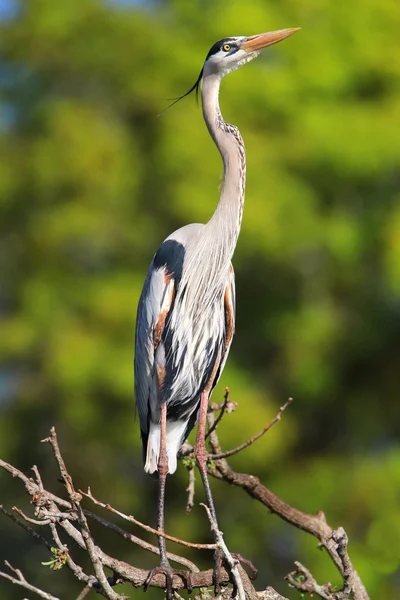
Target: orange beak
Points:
(258, 42)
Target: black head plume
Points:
(195, 86)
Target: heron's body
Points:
(185, 350)
(186, 315)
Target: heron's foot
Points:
(219, 561)
(169, 572)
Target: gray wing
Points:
(154, 306)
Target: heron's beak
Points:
(258, 42)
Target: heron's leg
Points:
(201, 456)
(162, 479)
(165, 566)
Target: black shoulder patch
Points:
(170, 255)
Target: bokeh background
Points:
(91, 182)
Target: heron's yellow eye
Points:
(226, 47)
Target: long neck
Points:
(226, 220)
(208, 255)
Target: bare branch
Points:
(38, 478)
(254, 438)
(31, 531)
(71, 564)
(47, 508)
(135, 540)
(315, 525)
(190, 489)
(31, 486)
(20, 580)
(221, 414)
(57, 516)
(304, 582)
(269, 594)
(84, 592)
(185, 450)
(233, 565)
(53, 512)
(41, 522)
(85, 531)
(350, 576)
(147, 527)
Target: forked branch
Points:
(19, 579)
(54, 513)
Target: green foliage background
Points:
(91, 182)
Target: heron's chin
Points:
(245, 58)
(248, 57)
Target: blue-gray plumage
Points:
(179, 345)
(186, 314)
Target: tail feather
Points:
(175, 436)
(153, 449)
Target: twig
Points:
(221, 414)
(35, 489)
(185, 450)
(41, 522)
(71, 564)
(132, 519)
(255, 437)
(190, 489)
(85, 531)
(38, 478)
(233, 565)
(31, 531)
(315, 525)
(20, 580)
(341, 539)
(135, 540)
(269, 594)
(85, 591)
(55, 516)
(47, 507)
(136, 576)
(303, 581)
(52, 440)
(31, 486)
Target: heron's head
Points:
(231, 53)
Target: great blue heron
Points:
(186, 314)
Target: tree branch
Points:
(75, 499)
(315, 525)
(53, 512)
(191, 488)
(223, 409)
(238, 583)
(252, 439)
(46, 506)
(20, 580)
(147, 527)
(139, 542)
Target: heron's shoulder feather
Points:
(155, 302)
(185, 234)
